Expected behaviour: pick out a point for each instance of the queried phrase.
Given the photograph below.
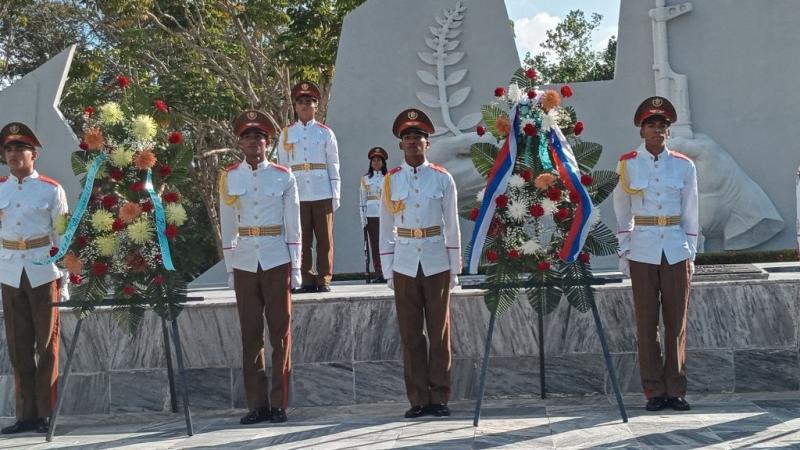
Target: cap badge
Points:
(412, 115)
(657, 102)
(13, 129)
(252, 115)
(304, 86)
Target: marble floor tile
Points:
(653, 435)
(140, 390)
(211, 336)
(143, 349)
(376, 331)
(464, 379)
(512, 376)
(575, 374)
(710, 371)
(379, 382)
(764, 314)
(93, 353)
(767, 438)
(766, 370)
(86, 394)
(323, 333)
(322, 384)
(208, 388)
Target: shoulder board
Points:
(629, 155)
(680, 155)
(232, 167)
(395, 170)
(48, 180)
(3, 178)
(280, 167)
(438, 168)
(322, 125)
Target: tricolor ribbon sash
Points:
(161, 222)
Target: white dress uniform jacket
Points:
(369, 194)
(263, 197)
(28, 210)
(663, 187)
(428, 193)
(312, 143)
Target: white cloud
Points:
(532, 31)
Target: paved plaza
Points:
(716, 422)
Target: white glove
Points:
(230, 280)
(453, 281)
(691, 267)
(63, 290)
(363, 222)
(390, 283)
(336, 202)
(624, 265)
(297, 278)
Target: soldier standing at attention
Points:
(656, 204)
(29, 205)
(369, 196)
(309, 149)
(420, 243)
(260, 221)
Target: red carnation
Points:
(529, 129)
(109, 201)
(123, 81)
(137, 186)
(473, 215)
(164, 170)
(53, 251)
(543, 266)
(99, 269)
(128, 291)
(566, 91)
(118, 225)
(171, 231)
(89, 111)
(578, 128)
(117, 174)
(499, 92)
(537, 210)
(532, 94)
(501, 201)
(584, 258)
(496, 228)
(82, 241)
(75, 279)
(562, 214)
(175, 138)
(491, 255)
(171, 197)
(158, 280)
(147, 206)
(480, 130)
(530, 73)
(83, 146)
(586, 180)
(554, 194)
(574, 197)
(527, 175)
(513, 253)
(161, 106)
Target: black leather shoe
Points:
(308, 288)
(379, 280)
(678, 404)
(42, 424)
(297, 290)
(255, 416)
(656, 403)
(414, 412)
(20, 426)
(278, 415)
(438, 410)
(323, 288)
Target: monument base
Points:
(742, 337)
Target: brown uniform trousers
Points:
(373, 231)
(424, 303)
(32, 328)
(316, 221)
(258, 294)
(661, 288)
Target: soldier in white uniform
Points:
(420, 243)
(309, 149)
(656, 205)
(29, 205)
(260, 221)
(369, 194)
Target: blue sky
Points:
(532, 18)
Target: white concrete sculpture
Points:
(734, 209)
(33, 100)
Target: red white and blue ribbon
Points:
(568, 169)
(496, 184)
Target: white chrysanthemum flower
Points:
(479, 195)
(144, 127)
(516, 181)
(121, 157)
(517, 210)
(549, 206)
(531, 247)
(595, 217)
(176, 214)
(515, 94)
(549, 120)
(111, 114)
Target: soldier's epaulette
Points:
(48, 180)
(3, 178)
(629, 155)
(323, 125)
(438, 168)
(680, 155)
(395, 170)
(280, 167)
(232, 167)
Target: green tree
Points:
(567, 55)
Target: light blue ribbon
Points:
(75, 220)
(544, 154)
(161, 222)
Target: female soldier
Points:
(370, 200)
